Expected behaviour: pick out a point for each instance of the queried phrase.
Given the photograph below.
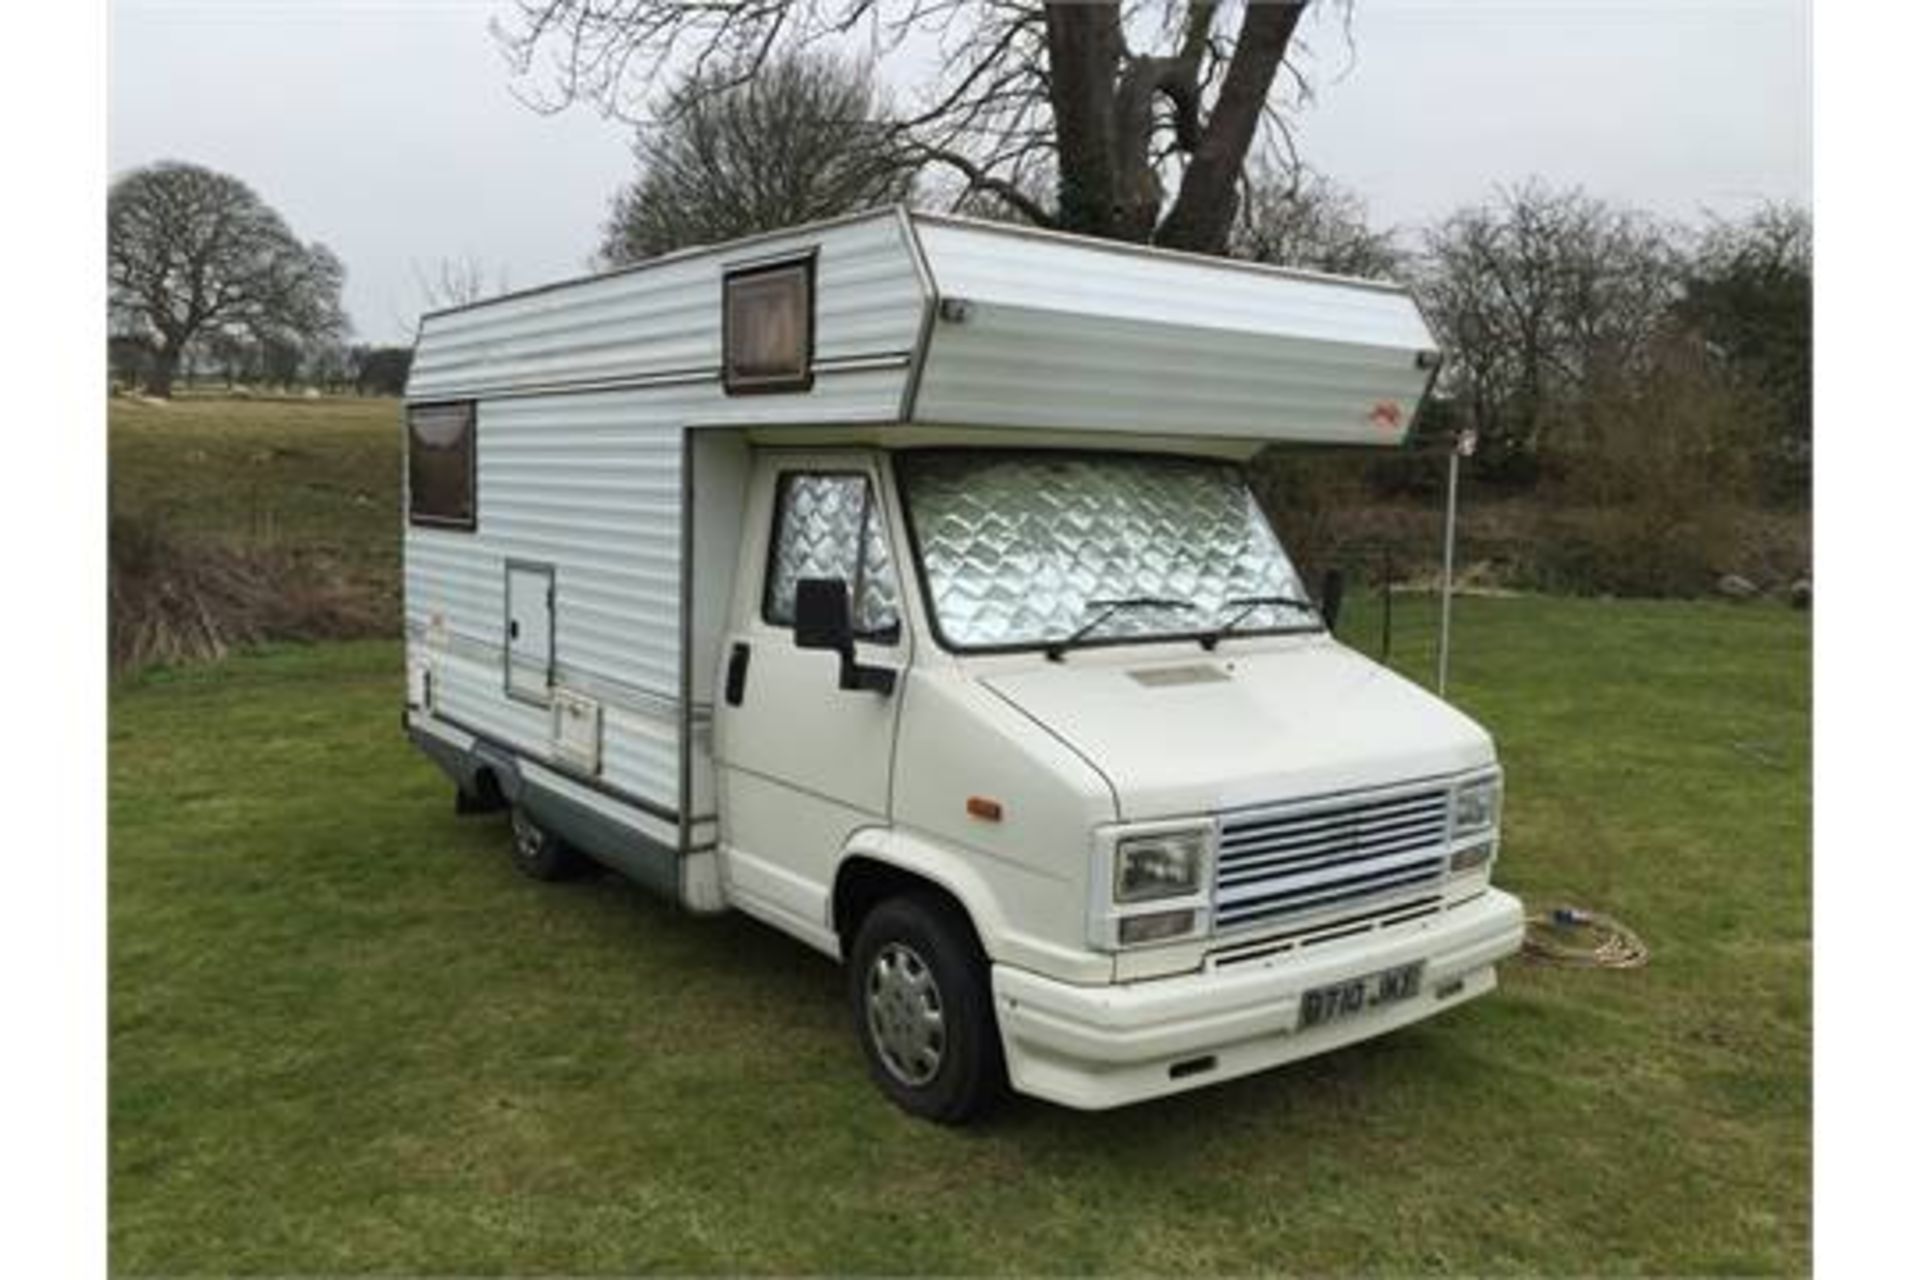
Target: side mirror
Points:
(823, 615)
(823, 619)
(1333, 590)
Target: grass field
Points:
(296, 498)
(321, 474)
(347, 1037)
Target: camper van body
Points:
(799, 641)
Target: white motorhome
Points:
(895, 580)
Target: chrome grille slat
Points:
(1344, 820)
(1329, 930)
(1307, 860)
(1368, 886)
(1303, 871)
(1345, 807)
(1344, 846)
(1379, 900)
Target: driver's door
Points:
(802, 763)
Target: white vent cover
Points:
(576, 731)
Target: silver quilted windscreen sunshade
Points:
(1020, 548)
(829, 527)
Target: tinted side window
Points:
(767, 328)
(440, 465)
(827, 525)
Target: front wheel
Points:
(923, 1009)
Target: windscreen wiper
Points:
(1247, 605)
(1107, 609)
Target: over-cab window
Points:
(828, 525)
(766, 327)
(440, 465)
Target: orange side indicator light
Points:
(983, 808)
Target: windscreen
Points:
(1025, 548)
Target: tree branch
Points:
(1202, 214)
(978, 179)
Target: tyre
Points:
(923, 1009)
(467, 802)
(539, 853)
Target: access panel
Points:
(529, 644)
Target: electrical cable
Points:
(1576, 938)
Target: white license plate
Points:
(1357, 995)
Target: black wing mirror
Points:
(823, 619)
(1333, 589)
(823, 615)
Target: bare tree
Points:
(1545, 298)
(326, 366)
(192, 252)
(1139, 116)
(455, 282)
(281, 359)
(129, 361)
(234, 354)
(379, 370)
(806, 138)
(1305, 219)
(1748, 294)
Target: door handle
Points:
(513, 629)
(737, 673)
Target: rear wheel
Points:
(539, 853)
(923, 1009)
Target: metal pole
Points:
(1386, 605)
(1446, 568)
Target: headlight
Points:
(1167, 864)
(1476, 807)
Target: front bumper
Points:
(1099, 1047)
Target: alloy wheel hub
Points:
(905, 1014)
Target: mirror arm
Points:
(853, 676)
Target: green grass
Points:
(319, 476)
(346, 1037)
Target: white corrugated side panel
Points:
(590, 483)
(1068, 335)
(663, 318)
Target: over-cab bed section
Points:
(1043, 330)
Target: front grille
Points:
(1323, 931)
(1286, 864)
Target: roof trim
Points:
(909, 217)
(678, 255)
(1129, 247)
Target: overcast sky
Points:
(388, 130)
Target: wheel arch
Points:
(877, 865)
(490, 770)
(483, 792)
